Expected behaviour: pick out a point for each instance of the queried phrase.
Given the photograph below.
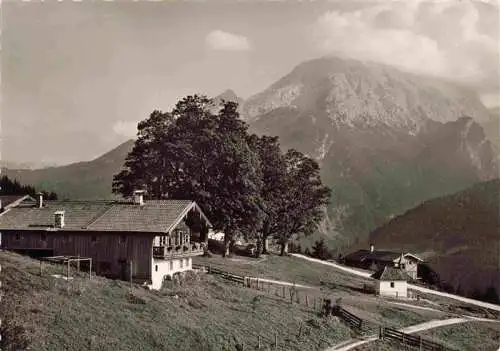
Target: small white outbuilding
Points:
(391, 282)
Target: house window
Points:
(171, 265)
(43, 236)
(392, 284)
(156, 268)
(93, 239)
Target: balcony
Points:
(185, 250)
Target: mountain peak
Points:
(353, 93)
(228, 95)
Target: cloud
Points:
(457, 40)
(125, 128)
(224, 41)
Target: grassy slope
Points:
(206, 314)
(203, 314)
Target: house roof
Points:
(158, 216)
(391, 273)
(12, 200)
(377, 255)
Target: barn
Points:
(146, 241)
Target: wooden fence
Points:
(411, 340)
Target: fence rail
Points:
(411, 340)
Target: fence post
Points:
(420, 343)
(283, 292)
(276, 341)
(380, 332)
(258, 340)
(307, 301)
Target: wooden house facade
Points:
(147, 241)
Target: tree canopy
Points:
(243, 182)
(193, 153)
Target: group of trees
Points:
(319, 250)
(245, 184)
(13, 187)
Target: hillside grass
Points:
(205, 313)
(286, 268)
(326, 282)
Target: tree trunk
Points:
(227, 243)
(264, 244)
(265, 236)
(284, 248)
(258, 250)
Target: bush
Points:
(294, 248)
(321, 251)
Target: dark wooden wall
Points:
(112, 251)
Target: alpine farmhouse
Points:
(146, 241)
(376, 260)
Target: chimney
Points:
(59, 219)
(39, 201)
(372, 247)
(139, 197)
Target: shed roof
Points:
(391, 273)
(153, 216)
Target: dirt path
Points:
(281, 282)
(410, 286)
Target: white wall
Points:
(219, 236)
(400, 289)
(162, 268)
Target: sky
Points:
(78, 76)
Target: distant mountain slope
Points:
(82, 180)
(492, 126)
(386, 140)
(459, 234)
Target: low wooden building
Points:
(391, 282)
(146, 241)
(375, 260)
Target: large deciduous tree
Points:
(197, 154)
(304, 200)
(293, 195)
(273, 169)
